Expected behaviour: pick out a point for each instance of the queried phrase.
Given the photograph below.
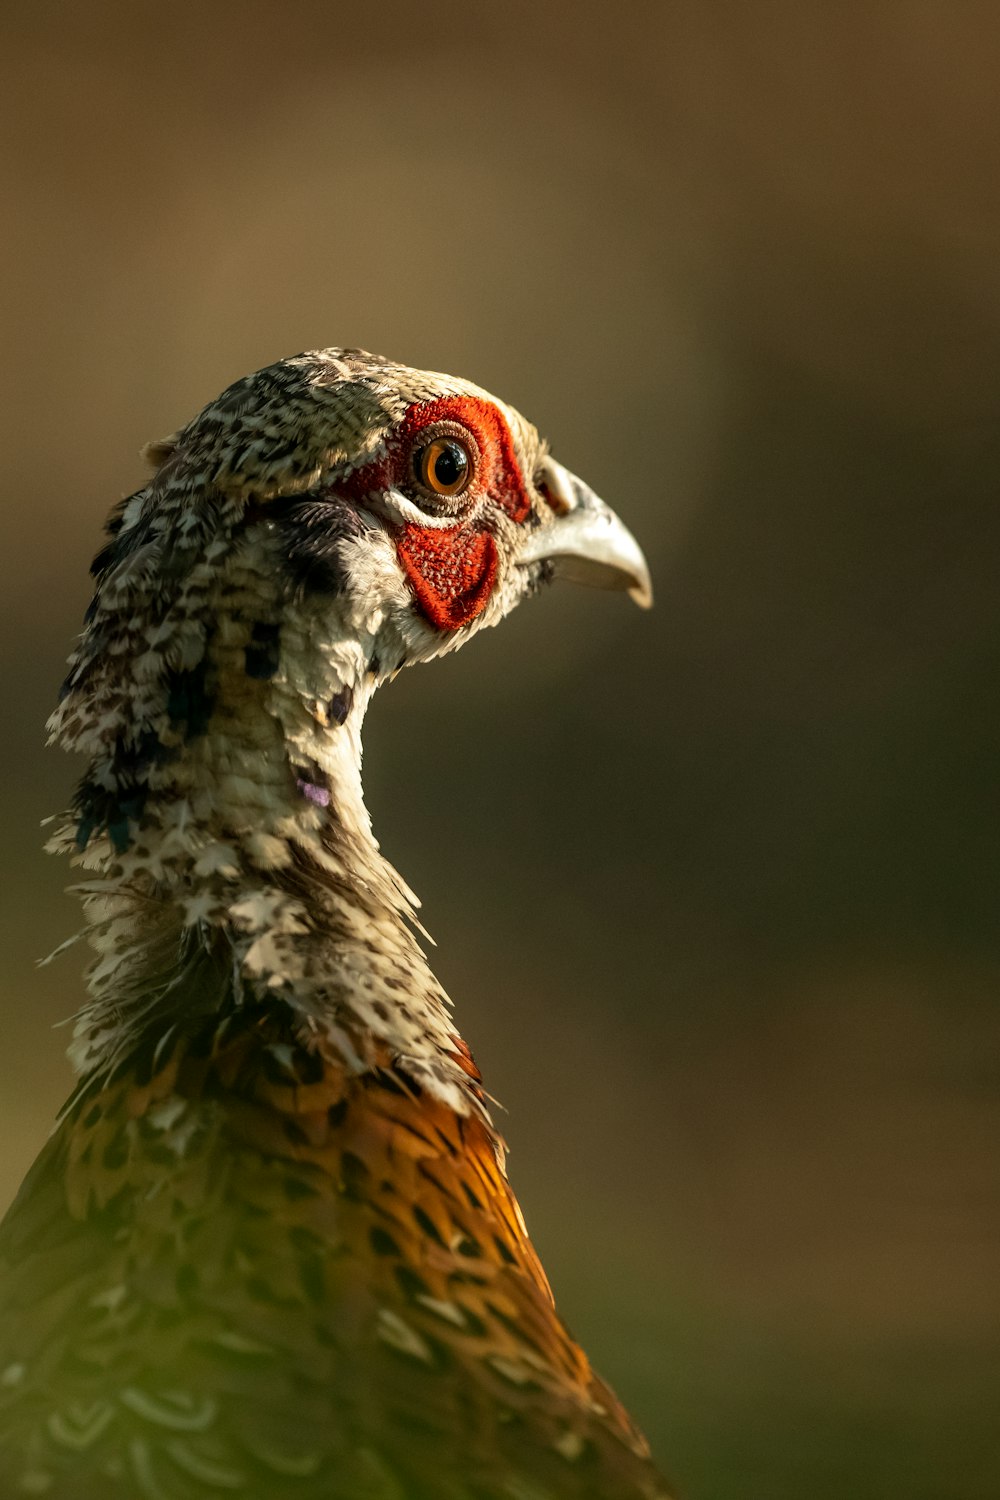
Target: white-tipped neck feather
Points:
(229, 852)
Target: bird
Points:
(270, 1248)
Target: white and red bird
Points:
(271, 1249)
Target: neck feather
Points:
(228, 850)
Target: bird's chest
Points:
(252, 1262)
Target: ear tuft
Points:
(156, 454)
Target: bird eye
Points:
(444, 466)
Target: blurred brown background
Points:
(715, 889)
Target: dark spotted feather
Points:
(256, 1274)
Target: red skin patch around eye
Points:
(501, 473)
(451, 569)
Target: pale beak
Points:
(586, 542)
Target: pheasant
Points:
(271, 1249)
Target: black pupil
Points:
(450, 465)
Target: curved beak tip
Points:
(587, 543)
(641, 592)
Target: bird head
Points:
(423, 505)
(328, 520)
(324, 522)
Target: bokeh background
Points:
(715, 888)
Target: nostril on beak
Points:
(556, 484)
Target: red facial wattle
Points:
(452, 569)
